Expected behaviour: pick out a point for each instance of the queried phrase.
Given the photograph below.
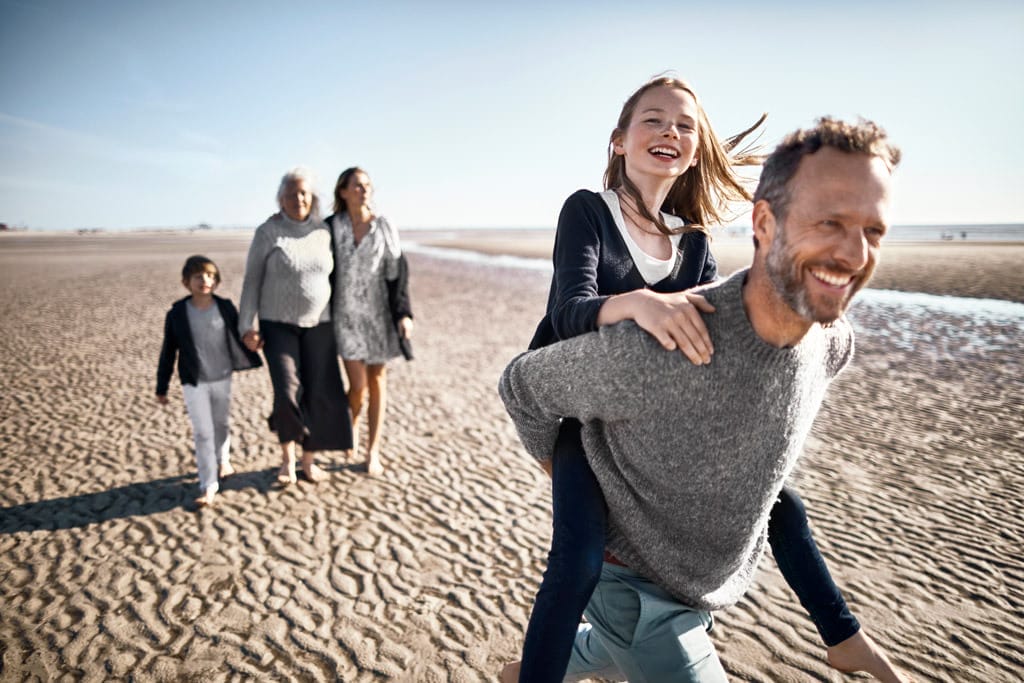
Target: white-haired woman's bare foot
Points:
(286, 475)
(313, 473)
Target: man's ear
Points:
(763, 223)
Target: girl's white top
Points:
(652, 269)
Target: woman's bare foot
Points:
(286, 475)
(374, 467)
(510, 674)
(208, 499)
(225, 470)
(860, 653)
(313, 473)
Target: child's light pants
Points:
(209, 409)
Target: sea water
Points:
(939, 326)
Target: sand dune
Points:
(913, 479)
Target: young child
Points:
(628, 253)
(202, 331)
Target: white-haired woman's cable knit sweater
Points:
(690, 458)
(288, 274)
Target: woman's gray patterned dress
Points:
(361, 315)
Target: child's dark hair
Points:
(199, 264)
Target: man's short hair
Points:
(864, 137)
(199, 264)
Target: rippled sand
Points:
(913, 479)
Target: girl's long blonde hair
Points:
(703, 194)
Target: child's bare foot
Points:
(225, 470)
(286, 475)
(208, 499)
(374, 467)
(510, 674)
(860, 653)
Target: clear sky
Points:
(122, 114)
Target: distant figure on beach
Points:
(372, 313)
(288, 286)
(201, 334)
(627, 254)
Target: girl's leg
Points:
(796, 553)
(220, 404)
(376, 382)
(197, 403)
(805, 570)
(574, 563)
(355, 371)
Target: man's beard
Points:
(787, 278)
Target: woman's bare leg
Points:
(376, 381)
(355, 371)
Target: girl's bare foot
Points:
(225, 470)
(286, 475)
(374, 467)
(860, 653)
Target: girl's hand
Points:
(252, 340)
(674, 320)
(405, 327)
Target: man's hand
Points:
(161, 399)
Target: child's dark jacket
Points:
(178, 342)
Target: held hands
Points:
(252, 340)
(673, 319)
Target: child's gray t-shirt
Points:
(211, 342)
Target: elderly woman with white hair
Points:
(288, 287)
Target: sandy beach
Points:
(913, 479)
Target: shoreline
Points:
(981, 270)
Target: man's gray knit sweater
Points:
(287, 274)
(690, 458)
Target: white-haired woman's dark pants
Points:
(310, 405)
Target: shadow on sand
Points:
(131, 500)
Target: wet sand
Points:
(913, 480)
